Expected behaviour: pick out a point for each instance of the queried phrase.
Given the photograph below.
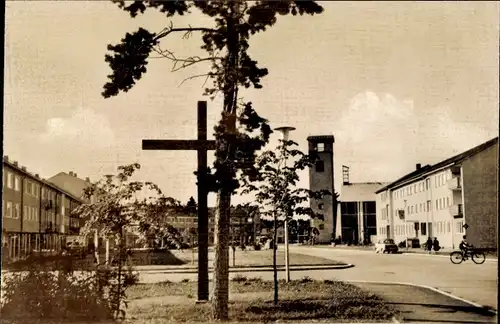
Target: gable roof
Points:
(457, 159)
(35, 177)
(70, 183)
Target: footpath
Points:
(419, 304)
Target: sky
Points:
(396, 83)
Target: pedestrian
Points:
(435, 245)
(428, 244)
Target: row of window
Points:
(440, 227)
(13, 210)
(13, 181)
(440, 179)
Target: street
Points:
(476, 283)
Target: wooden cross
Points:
(201, 145)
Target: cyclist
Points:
(464, 246)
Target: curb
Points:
(236, 270)
(426, 287)
(491, 259)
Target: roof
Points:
(327, 138)
(360, 191)
(70, 183)
(457, 159)
(37, 178)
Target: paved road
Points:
(477, 283)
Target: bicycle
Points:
(458, 257)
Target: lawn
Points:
(251, 300)
(263, 258)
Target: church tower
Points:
(321, 177)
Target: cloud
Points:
(84, 128)
(382, 137)
(377, 135)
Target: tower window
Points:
(321, 226)
(321, 206)
(320, 147)
(320, 166)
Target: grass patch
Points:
(251, 300)
(263, 258)
(55, 262)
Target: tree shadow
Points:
(482, 311)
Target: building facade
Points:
(35, 212)
(321, 177)
(455, 197)
(357, 221)
(243, 226)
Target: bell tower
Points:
(321, 177)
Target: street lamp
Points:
(285, 130)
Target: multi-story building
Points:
(33, 207)
(242, 225)
(446, 200)
(321, 177)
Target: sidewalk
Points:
(255, 268)
(422, 304)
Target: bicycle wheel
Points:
(456, 257)
(478, 257)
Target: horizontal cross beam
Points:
(178, 144)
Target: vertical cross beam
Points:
(201, 145)
(202, 205)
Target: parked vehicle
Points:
(386, 246)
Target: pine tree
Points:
(226, 44)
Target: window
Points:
(321, 226)
(436, 205)
(350, 208)
(321, 206)
(9, 180)
(448, 201)
(320, 166)
(17, 183)
(429, 205)
(427, 183)
(415, 188)
(8, 211)
(28, 187)
(423, 228)
(17, 211)
(320, 147)
(410, 190)
(25, 212)
(448, 227)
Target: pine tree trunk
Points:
(220, 294)
(275, 248)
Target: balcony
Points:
(454, 183)
(457, 211)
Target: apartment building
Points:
(34, 205)
(446, 200)
(241, 224)
(36, 214)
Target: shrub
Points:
(42, 292)
(239, 278)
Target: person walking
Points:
(435, 245)
(428, 245)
